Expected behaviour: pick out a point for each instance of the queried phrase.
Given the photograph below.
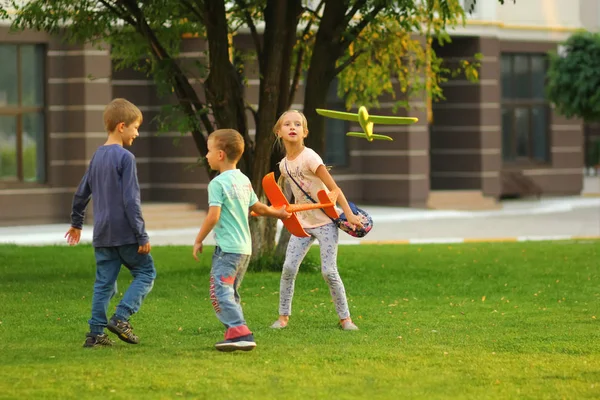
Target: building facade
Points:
(498, 136)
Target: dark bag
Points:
(364, 217)
(342, 221)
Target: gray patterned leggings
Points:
(327, 235)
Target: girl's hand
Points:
(354, 221)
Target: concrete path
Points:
(546, 219)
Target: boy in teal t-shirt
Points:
(230, 195)
(232, 191)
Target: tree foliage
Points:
(366, 43)
(574, 77)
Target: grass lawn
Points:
(479, 321)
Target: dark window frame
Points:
(19, 111)
(530, 103)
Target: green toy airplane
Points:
(367, 121)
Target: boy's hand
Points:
(144, 249)
(73, 236)
(282, 213)
(197, 249)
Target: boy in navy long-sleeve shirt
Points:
(120, 236)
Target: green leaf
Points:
(574, 78)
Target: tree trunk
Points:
(223, 87)
(282, 244)
(281, 20)
(326, 51)
(321, 72)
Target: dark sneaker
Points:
(100, 340)
(244, 343)
(123, 330)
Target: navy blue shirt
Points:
(111, 180)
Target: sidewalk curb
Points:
(451, 240)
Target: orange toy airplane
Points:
(277, 199)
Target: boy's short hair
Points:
(120, 110)
(230, 141)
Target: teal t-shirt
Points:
(232, 191)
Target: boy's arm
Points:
(80, 201)
(131, 200)
(214, 213)
(269, 211)
(264, 210)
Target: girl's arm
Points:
(327, 179)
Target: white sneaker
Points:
(244, 343)
(349, 326)
(278, 325)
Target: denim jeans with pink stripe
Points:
(226, 276)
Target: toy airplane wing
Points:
(338, 114)
(369, 137)
(278, 199)
(330, 197)
(380, 119)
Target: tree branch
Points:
(357, 29)
(119, 13)
(296, 77)
(315, 12)
(254, 114)
(349, 61)
(192, 9)
(312, 20)
(255, 36)
(300, 55)
(185, 93)
(357, 6)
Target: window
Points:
(336, 152)
(525, 112)
(22, 139)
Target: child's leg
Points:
(142, 269)
(295, 253)
(108, 265)
(328, 244)
(239, 277)
(223, 292)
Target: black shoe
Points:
(99, 340)
(123, 330)
(244, 343)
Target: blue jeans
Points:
(108, 265)
(226, 276)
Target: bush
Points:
(574, 77)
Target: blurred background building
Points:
(495, 138)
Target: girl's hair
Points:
(280, 121)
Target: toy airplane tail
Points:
(327, 200)
(365, 136)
